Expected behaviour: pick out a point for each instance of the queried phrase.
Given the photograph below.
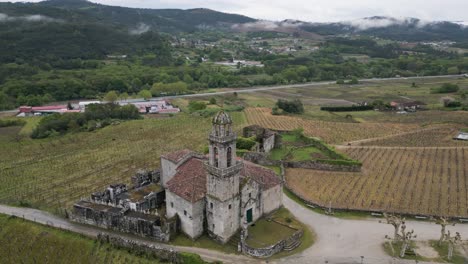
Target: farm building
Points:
(410, 106)
(40, 110)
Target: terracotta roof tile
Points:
(189, 182)
(263, 176)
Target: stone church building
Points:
(221, 193)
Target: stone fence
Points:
(288, 244)
(140, 248)
(263, 159)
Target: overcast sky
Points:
(316, 10)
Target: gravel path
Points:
(338, 240)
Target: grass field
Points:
(53, 173)
(416, 181)
(27, 242)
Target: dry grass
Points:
(331, 132)
(418, 181)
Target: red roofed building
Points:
(221, 190)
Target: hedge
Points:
(353, 108)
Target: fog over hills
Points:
(136, 21)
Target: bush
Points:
(196, 106)
(245, 143)
(454, 104)
(353, 108)
(13, 122)
(446, 88)
(292, 107)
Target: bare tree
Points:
(406, 238)
(396, 221)
(452, 241)
(443, 222)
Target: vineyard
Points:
(431, 181)
(330, 132)
(53, 173)
(436, 137)
(25, 242)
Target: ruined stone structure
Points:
(220, 193)
(266, 138)
(136, 210)
(216, 194)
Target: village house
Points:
(410, 106)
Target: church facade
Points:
(221, 193)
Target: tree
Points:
(406, 238)
(124, 96)
(145, 94)
(111, 97)
(443, 222)
(396, 221)
(452, 241)
(212, 101)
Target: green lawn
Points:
(266, 233)
(302, 154)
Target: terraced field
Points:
(431, 181)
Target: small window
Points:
(250, 195)
(213, 226)
(185, 213)
(230, 206)
(172, 204)
(211, 205)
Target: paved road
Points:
(277, 87)
(338, 240)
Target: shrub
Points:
(353, 108)
(196, 106)
(292, 107)
(446, 88)
(454, 104)
(245, 143)
(13, 122)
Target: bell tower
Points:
(223, 199)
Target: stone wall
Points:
(316, 165)
(123, 220)
(139, 248)
(191, 215)
(261, 159)
(272, 199)
(289, 244)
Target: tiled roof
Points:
(189, 182)
(177, 156)
(263, 176)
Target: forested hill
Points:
(67, 29)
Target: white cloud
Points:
(381, 22)
(140, 29)
(28, 18)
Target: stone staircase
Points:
(235, 240)
(292, 245)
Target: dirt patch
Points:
(424, 249)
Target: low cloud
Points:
(268, 25)
(28, 18)
(382, 22)
(140, 29)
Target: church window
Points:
(229, 156)
(250, 195)
(215, 152)
(172, 204)
(213, 226)
(230, 206)
(211, 205)
(185, 213)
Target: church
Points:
(219, 193)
